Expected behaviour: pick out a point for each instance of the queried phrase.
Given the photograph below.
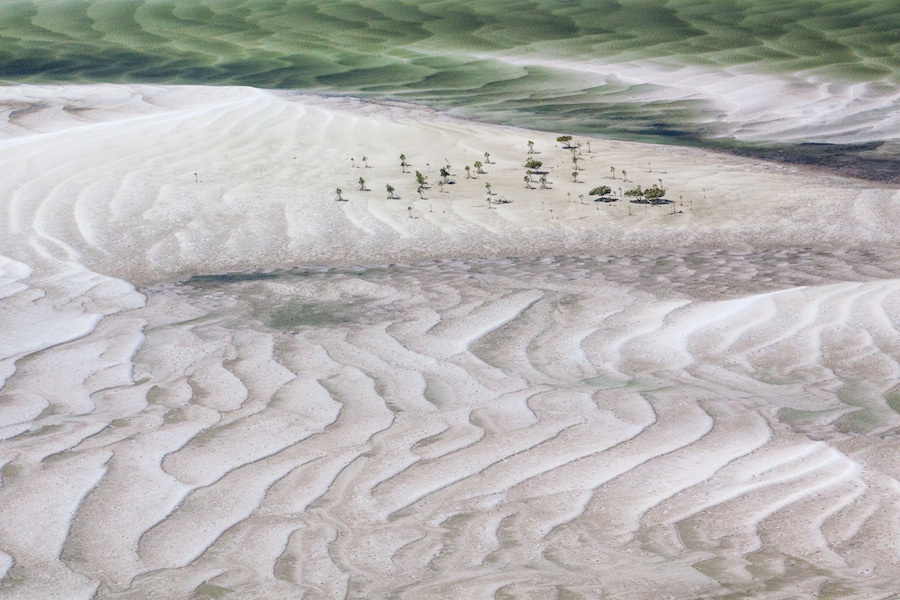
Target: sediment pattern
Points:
(697, 424)
(459, 430)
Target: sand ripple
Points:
(686, 424)
(497, 430)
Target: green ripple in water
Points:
(450, 54)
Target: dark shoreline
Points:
(725, 274)
(873, 161)
(847, 160)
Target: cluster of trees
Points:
(651, 195)
(421, 179)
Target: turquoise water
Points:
(647, 69)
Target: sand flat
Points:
(431, 397)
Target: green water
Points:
(455, 54)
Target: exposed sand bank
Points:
(153, 183)
(715, 424)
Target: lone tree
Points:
(601, 191)
(468, 172)
(624, 175)
(366, 161)
(421, 190)
(338, 193)
(612, 171)
(420, 179)
(445, 175)
(390, 191)
(575, 176)
(530, 147)
(532, 164)
(636, 192)
(487, 158)
(544, 185)
(478, 168)
(362, 184)
(487, 186)
(565, 139)
(403, 163)
(575, 162)
(528, 182)
(654, 193)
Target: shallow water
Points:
(744, 72)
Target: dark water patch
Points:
(873, 161)
(702, 275)
(203, 282)
(19, 110)
(297, 315)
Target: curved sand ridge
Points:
(148, 182)
(618, 427)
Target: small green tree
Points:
(654, 193)
(390, 191)
(530, 147)
(468, 172)
(487, 158)
(544, 185)
(487, 186)
(366, 161)
(528, 182)
(421, 190)
(612, 172)
(478, 166)
(420, 179)
(403, 163)
(445, 175)
(338, 193)
(600, 190)
(565, 139)
(362, 184)
(532, 164)
(575, 176)
(635, 192)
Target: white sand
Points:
(559, 428)
(115, 188)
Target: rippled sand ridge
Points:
(218, 382)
